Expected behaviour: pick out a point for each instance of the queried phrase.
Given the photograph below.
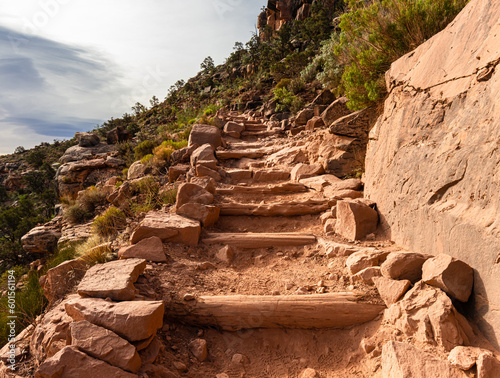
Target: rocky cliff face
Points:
(433, 156)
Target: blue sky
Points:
(68, 65)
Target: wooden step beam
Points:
(236, 312)
(239, 154)
(287, 187)
(284, 209)
(260, 240)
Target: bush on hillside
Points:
(373, 35)
(110, 222)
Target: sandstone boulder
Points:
(302, 171)
(465, 358)
(335, 110)
(355, 220)
(105, 345)
(238, 175)
(150, 249)
(113, 280)
(168, 227)
(117, 135)
(71, 363)
(452, 276)
(206, 183)
(326, 97)
(364, 259)
(205, 152)
(150, 354)
(315, 123)
(330, 226)
(204, 171)
(132, 320)
(487, 366)
(41, 239)
(202, 134)
(136, 170)
(404, 360)
(303, 116)
(51, 333)
(391, 290)
(427, 315)
(176, 171)
(192, 193)
(368, 275)
(208, 215)
(60, 280)
(234, 129)
(87, 139)
(404, 266)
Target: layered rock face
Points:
(433, 157)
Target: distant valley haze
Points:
(69, 65)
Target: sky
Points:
(69, 65)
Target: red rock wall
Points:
(433, 160)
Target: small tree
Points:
(207, 65)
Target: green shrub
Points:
(161, 155)
(373, 35)
(147, 160)
(283, 83)
(144, 148)
(91, 198)
(296, 85)
(110, 222)
(286, 101)
(76, 214)
(95, 250)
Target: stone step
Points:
(284, 208)
(260, 240)
(255, 127)
(257, 133)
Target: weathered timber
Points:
(285, 208)
(287, 187)
(235, 312)
(239, 154)
(260, 240)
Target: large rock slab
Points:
(205, 153)
(150, 249)
(234, 129)
(355, 220)
(261, 175)
(168, 227)
(72, 363)
(363, 259)
(113, 280)
(404, 266)
(465, 358)
(428, 316)
(132, 320)
(201, 134)
(207, 215)
(404, 360)
(432, 154)
(452, 276)
(105, 345)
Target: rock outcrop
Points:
(433, 154)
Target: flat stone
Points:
(113, 280)
(199, 349)
(72, 363)
(404, 266)
(270, 175)
(302, 171)
(237, 175)
(150, 249)
(318, 183)
(168, 227)
(404, 360)
(391, 290)
(204, 171)
(452, 276)
(132, 320)
(355, 220)
(105, 345)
